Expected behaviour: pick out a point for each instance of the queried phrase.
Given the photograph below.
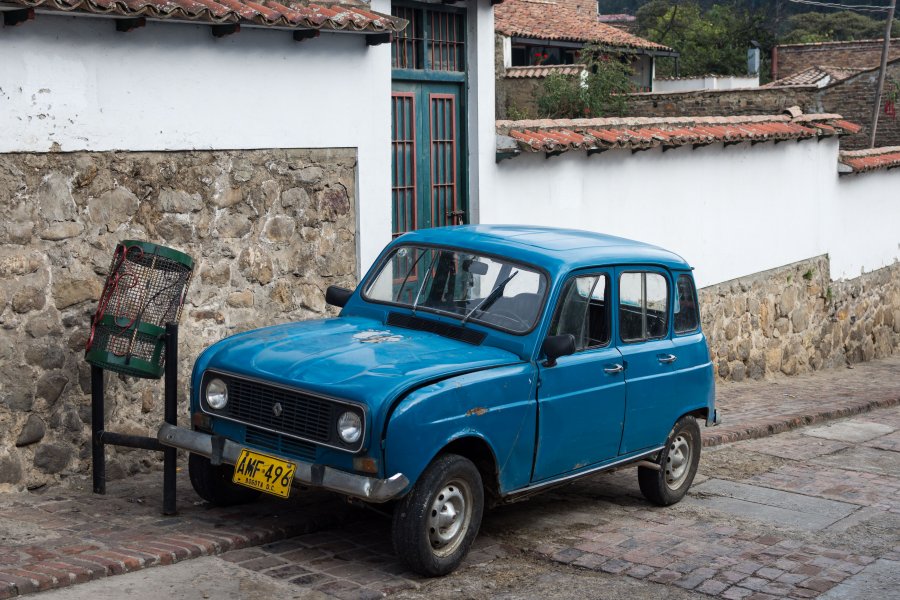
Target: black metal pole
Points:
(879, 89)
(97, 426)
(171, 416)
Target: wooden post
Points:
(884, 58)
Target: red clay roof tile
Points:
(548, 135)
(536, 72)
(861, 161)
(560, 20)
(349, 15)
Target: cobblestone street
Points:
(812, 512)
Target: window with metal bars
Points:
(434, 40)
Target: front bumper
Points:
(365, 488)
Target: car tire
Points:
(678, 465)
(437, 521)
(213, 483)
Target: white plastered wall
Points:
(729, 211)
(481, 126)
(75, 83)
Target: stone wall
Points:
(268, 229)
(709, 103)
(862, 54)
(795, 319)
(520, 95)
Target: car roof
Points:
(548, 247)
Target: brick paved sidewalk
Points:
(64, 536)
(761, 408)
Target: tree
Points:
(711, 41)
(600, 91)
(841, 26)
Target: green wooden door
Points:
(429, 176)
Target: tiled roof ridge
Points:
(611, 122)
(870, 159)
(809, 76)
(539, 71)
(642, 133)
(871, 151)
(705, 75)
(841, 43)
(290, 14)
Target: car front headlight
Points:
(349, 427)
(216, 394)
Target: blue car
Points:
(472, 366)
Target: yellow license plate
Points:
(264, 473)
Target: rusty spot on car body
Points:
(476, 411)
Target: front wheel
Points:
(677, 465)
(436, 523)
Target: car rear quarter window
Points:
(687, 314)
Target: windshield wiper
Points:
(424, 281)
(490, 298)
(406, 278)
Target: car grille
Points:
(302, 415)
(280, 444)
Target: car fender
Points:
(496, 406)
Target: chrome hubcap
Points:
(678, 461)
(449, 518)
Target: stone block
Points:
(113, 208)
(10, 469)
(29, 298)
(69, 291)
(32, 432)
(52, 457)
(179, 201)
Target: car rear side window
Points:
(583, 311)
(687, 315)
(643, 306)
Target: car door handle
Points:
(613, 369)
(666, 358)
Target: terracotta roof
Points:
(819, 76)
(560, 20)
(292, 14)
(831, 44)
(860, 161)
(643, 133)
(542, 71)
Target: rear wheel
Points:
(436, 523)
(678, 465)
(213, 483)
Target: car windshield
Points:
(470, 287)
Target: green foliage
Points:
(514, 113)
(713, 35)
(600, 92)
(811, 27)
(711, 41)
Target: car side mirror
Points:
(337, 296)
(555, 346)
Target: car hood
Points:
(353, 358)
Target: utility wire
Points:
(851, 7)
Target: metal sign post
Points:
(135, 332)
(102, 438)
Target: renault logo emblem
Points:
(276, 409)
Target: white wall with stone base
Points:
(730, 211)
